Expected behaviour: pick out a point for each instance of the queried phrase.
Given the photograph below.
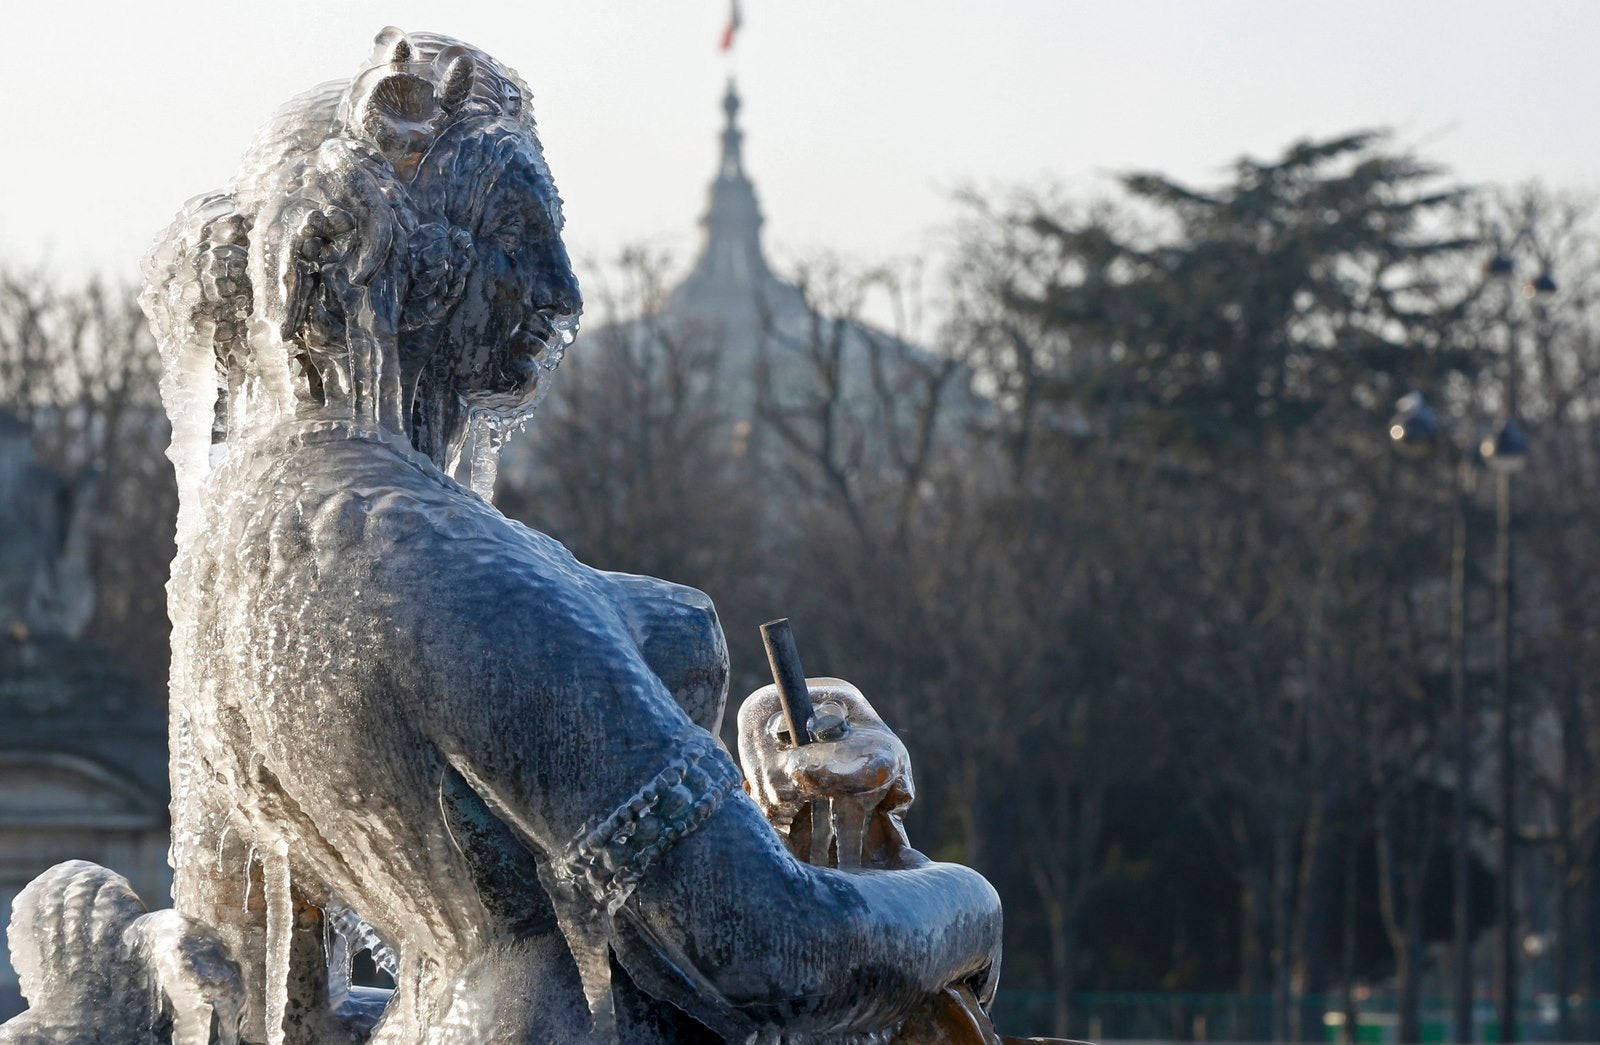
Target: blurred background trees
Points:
(79, 369)
(1124, 553)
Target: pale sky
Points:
(862, 116)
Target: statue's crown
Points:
(414, 87)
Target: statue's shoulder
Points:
(376, 501)
(434, 558)
(339, 495)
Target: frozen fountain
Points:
(403, 723)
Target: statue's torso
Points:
(328, 630)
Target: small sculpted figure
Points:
(399, 714)
(97, 969)
(840, 801)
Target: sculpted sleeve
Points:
(538, 695)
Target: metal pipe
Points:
(1506, 967)
(793, 695)
(1506, 973)
(1463, 722)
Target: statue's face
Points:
(521, 302)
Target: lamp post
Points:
(1415, 428)
(1505, 450)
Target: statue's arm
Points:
(539, 697)
(809, 948)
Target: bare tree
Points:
(79, 368)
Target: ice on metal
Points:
(402, 721)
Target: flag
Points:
(732, 26)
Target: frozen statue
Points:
(402, 722)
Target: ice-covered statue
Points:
(402, 722)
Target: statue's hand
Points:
(838, 800)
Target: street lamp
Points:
(1415, 424)
(1542, 284)
(1504, 450)
(1415, 429)
(1504, 447)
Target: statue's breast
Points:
(676, 630)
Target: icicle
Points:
(851, 815)
(489, 432)
(250, 880)
(280, 930)
(192, 1022)
(360, 936)
(821, 831)
(226, 1028)
(337, 950)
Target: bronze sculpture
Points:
(397, 713)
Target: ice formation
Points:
(403, 722)
(97, 969)
(840, 800)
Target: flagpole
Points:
(731, 27)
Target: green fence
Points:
(1248, 1018)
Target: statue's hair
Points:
(349, 222)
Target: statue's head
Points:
(66, 934)
(390, 253)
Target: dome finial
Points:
(732, 139)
